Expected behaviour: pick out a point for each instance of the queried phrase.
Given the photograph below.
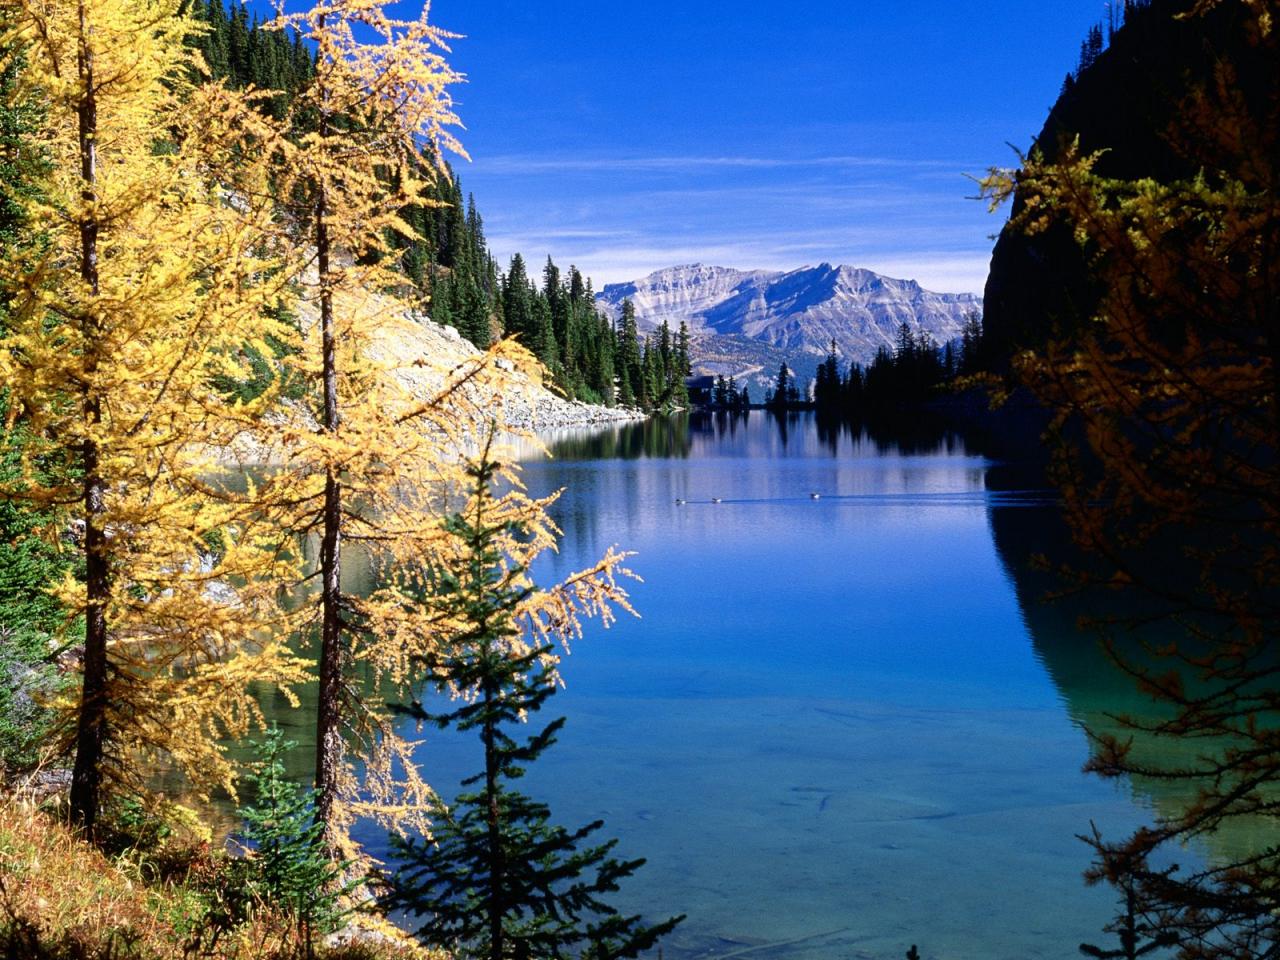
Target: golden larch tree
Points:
(375, 463)
(153, 276)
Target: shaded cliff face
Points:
(1129, 103)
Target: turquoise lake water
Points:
(833, 732)
(842, 725)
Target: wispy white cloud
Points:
(752, 205)
(908, 219)
(537, 235)
(943, 270)
(536, 164)
(881, 237)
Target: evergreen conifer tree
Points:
(288, 866)
(473, 315)
(684, 366)
(629, 361)
(781, 390)
(602, 368)
(542, 336)
(498, 880)
(517, 308)
(719, 394)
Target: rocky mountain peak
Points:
(789, 316)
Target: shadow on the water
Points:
(924, 434)
(1081, 634)
(1008, 441)
(654, 438)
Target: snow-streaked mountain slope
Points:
(799, 312)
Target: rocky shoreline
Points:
(536, 409)
(418, 352)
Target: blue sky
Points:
(625, 137)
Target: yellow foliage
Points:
(180, 224)
(61, 897)
(372, 464)
(155, 273)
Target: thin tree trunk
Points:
(329, 745)
(86, 776)
(497, 866)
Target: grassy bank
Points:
(62, 899)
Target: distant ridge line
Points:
(791, 315)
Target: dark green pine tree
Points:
(239, 69)
(517, 303)
(684, 360)
(541, 338)
(603, 347)
(443, 297)
(720, 392)
(558, 302)
(577, 288)
(287, 867)
(214, 45)
(950, 362)
(782, 387)
(682, 367)
(666, 353)
(854, 394)
(651, 364)
(629, 362)
(498, 880)
(452, 242)
(472, 314)
(971, 354)
(827, 385)
(241, 51)
(479, 252)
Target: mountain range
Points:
(747, 322)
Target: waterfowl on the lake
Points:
(716, 500)
(681, 501)
(815, 496)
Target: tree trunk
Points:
(86, 775)
(497, 867)
(332, 666)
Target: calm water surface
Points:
(843, 725)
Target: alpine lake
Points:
(847, 719)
